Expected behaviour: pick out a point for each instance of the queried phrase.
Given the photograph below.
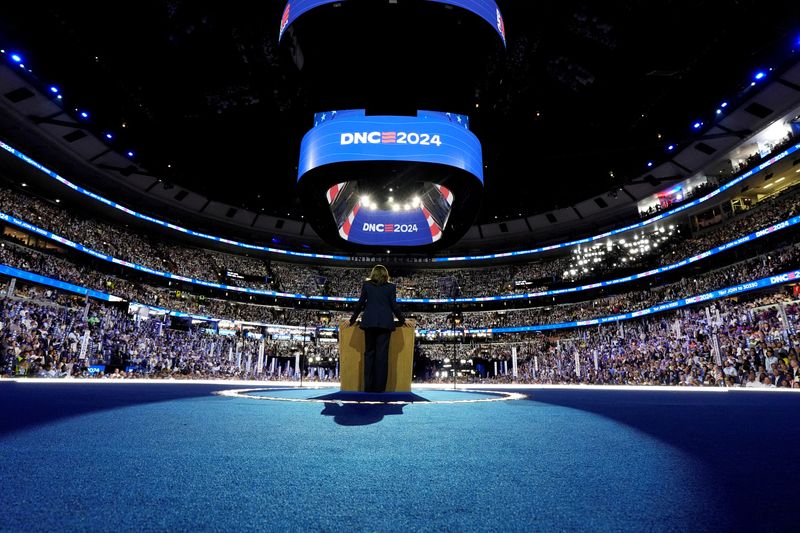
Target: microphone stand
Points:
(455, 353)
(303, 353)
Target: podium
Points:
(351, 357)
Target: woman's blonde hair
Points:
(379, 274)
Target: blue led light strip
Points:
(474, 299)
(131, 212)
(306, 255)
(778, 279)
(50, 282)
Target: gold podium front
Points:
(351, 357)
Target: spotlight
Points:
(109, 136)
(84, 114)
(649, 164)
(723, 105)
(697, 125)
(395, 207)
(16, 58)
(365, 200)
(24, 184)
(759, 75)
(130, 154)
(54, 89)
(671, 147)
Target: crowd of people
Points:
(49, 333)
(177, 299)
(45, 333)
(653, 246)
(539, 313)
(732, 343)
(728, 344)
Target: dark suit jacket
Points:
(379, 303)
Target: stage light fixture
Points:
(109, 136)
(16, 58)
(84, 114)
(759, 75)
(54, 89)
(130, 154)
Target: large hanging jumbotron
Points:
(393, 163)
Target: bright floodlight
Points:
(16, 58)
(54, 89)
(760, 75)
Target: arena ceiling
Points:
(586, 96)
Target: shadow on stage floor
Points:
(362, 414)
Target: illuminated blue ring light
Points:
(485, 9)
(771, 281)
(442, 259)
(788, 223)
(468, 396)
(349, 150)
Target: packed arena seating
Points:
(183, 301)
(656, 246)
(731, 342)
(728, 343)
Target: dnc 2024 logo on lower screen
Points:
(389, 228)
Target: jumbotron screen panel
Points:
(353, 136)
(486, 9)
(435, 154)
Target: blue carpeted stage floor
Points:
(143, 456)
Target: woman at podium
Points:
(378, 301)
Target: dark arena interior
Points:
(590, 218)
